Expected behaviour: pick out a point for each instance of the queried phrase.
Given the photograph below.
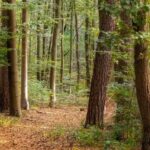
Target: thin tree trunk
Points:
(54, 55)
(102, 70)
(38, 51)
(87, 48)
(24, 69)
(77, 49)
(44, 52)
(71, 43)
(62, 46)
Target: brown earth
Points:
(28, 133)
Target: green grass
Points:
(80, 136)
(7, 121)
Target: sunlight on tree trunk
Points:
(24, 75)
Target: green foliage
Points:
(88, 137)
(38, 92)
(81, 136)
(59, 131)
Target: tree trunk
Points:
(15, 109)
(102, 70)
(4, 89)
(142, 83)
(87, 48)
(38, 51)
(62, 46)
(24, 69)
(77, 49)
(54, 55)
(71, 43)
(4, 83)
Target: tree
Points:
(4, 83)
(122, 67)
(54, 54)
(102, 68)
(15, 109)
(77, 47)
(24, 68)
(71, 41)
(4, 89)
(142, 83)
(62, 45)
(38, 49)
(87, 47)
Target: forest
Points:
(74, 75)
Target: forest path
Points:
(29, 132)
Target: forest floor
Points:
(32, 130)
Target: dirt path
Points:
(28, 134)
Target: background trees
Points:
(49, 48)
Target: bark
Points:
(45, 40)
(71, 43)
(102, 70)
(142, 83)
(62, 46)
(77, 49)
(87, 48)
(54, 55)
(38, 51)
(15, 109)
(4, 84)
(24, 69)
(4, 89)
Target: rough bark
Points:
(102, 70)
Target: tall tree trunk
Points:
(15, 106)
(102, 70)
(142, 83)
(4, 83)
(77, 48)
(87, 48)
(62, 45)
(71, 42)
(54, 55)
(44, 52)
(38, 51)
(24, 69)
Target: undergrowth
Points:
(93, 137)
(8, 121)
(81, 136)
